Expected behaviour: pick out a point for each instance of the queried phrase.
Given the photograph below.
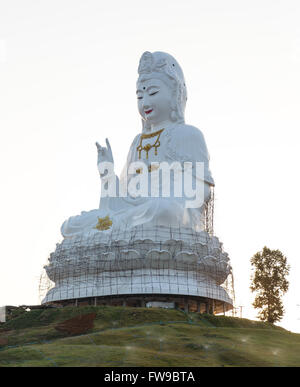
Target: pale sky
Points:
(67, 79)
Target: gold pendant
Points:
(148, 146)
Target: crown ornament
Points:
(148, 64)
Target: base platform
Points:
(186, 303)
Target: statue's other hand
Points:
(104, 153)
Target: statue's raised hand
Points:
(104, 153)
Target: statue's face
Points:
(154, 100)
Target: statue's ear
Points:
(173, 116)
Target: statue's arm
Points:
(105, 158)
(187, 144)
(109, 180)
(114, 199)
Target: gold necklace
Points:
(149, 146)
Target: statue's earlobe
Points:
(173, 116)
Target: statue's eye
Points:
(155, 92)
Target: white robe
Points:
(179, 143)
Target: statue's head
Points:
(161, 89)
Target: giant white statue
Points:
(150, 221)
(161, 94)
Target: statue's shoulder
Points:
(188, 143)
(188, 133)
(136, 139)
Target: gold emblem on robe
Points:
(103, 223)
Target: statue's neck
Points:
(161, 125)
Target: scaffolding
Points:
(209, 213)
(142, 263)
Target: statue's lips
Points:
(149, 111)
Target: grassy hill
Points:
(143, 337)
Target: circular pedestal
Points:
(141, 263)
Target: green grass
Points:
(146, 337)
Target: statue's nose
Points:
(146, 104)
